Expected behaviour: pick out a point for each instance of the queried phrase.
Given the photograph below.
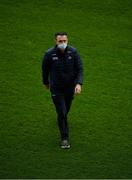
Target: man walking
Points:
(62, 73)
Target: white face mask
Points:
(62, 46)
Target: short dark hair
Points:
(60, 34)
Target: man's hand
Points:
(47, 86)
(77, 89)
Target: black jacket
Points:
(62, 69)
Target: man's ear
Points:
(55, 41)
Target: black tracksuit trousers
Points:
(62, 99)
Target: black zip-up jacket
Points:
(62, 69)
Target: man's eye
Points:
(62, 41)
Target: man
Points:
(62, 73)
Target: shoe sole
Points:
(65, 147)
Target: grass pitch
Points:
(100, 118)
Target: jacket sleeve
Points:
(45, 69)
(79, 68)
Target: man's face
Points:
(61, 39)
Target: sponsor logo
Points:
(53, 95)
(69, 57)
(54, 58)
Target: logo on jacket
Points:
(69, 57)
(54, 58)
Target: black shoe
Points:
(65, 144)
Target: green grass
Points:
(100, 118)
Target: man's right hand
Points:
(47, 86)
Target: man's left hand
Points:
(77, 89)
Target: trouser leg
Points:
(68, 101)
(68, 94)
(60, 105)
